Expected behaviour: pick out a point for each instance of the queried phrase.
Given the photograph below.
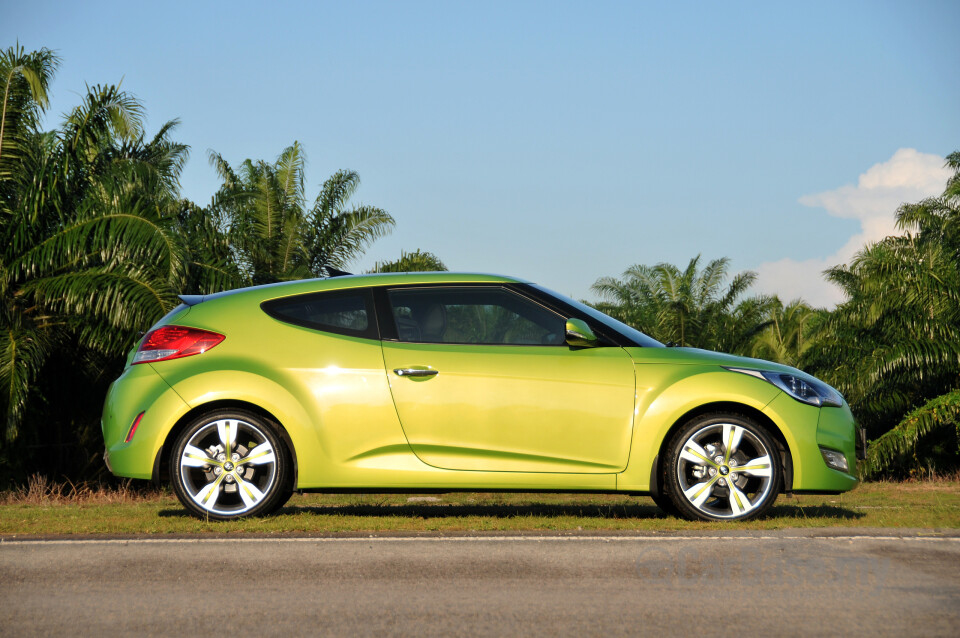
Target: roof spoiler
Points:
(191, 300)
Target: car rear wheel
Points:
(229, 464)
(722, 467)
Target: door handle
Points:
(414, 372)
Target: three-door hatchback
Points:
(444, 382)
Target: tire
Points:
(229, 464)
(702, 470)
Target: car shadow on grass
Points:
(505, 510)
(533, 510)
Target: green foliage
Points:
(901, 447)
(87, 257)
(272, 232)
(893, 347)
(894, 344)
(689, 307)
(789, 333)
(25, 79)
(92, 252)
(417, 261)
(96, 244)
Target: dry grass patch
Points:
(40, 490)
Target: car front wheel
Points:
(228, 464)
(722, 467)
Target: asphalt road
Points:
(777, 584)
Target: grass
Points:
(43, 509)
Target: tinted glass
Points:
(617, 326)
(473, 315)
(346, 313)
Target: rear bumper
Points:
(139, 389)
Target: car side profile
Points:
(449, 381)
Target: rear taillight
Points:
(173, 342)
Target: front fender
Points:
(666, 393)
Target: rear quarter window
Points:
(340, 312)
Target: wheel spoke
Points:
(259, 455)
(731, 439)
(739, 503)
(757, 467)
(195, 457)
(207, 497)
(249, 492)
(228, 435)
(695, 454)
(699, 493)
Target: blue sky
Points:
(556, 141)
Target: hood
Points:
(696, 356)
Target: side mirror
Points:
(579, 334)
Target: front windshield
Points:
(617, 326)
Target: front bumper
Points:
(808, 429)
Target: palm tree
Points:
(737, 329)
(893, 346)
(417, 261)
(209, 263)
(88, 255)
(789, 334)
(689, 307)
(273, 233)
(25, 79)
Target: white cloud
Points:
(908, 176)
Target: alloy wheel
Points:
(228, 467)
(726, 470)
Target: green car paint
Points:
(517, 408)
(462, 416)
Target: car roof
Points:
(301, 286)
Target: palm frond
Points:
(938, 414)
(24, 82)
(335, 193)
(417, 261)
(124, 297)
(23, 349)
(347, 235)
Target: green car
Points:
(442, 382)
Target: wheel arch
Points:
(786, 457)
(161, 463)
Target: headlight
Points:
(803, 390)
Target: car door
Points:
(483, 379)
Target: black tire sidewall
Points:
(280, 490)
(671, 483)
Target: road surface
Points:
(743, 584)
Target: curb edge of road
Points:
(838, 534)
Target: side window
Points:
(473, 315)
(341, 312)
